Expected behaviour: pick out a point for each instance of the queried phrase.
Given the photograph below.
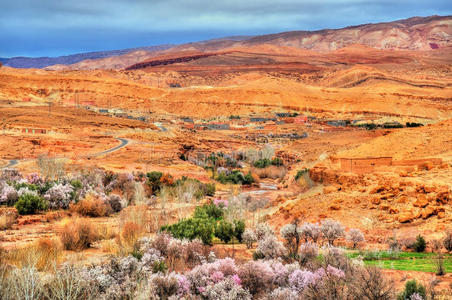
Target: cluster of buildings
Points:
(254, 122)
(119, 114)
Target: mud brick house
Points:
(218, 126)
(337, 123)
(300, 119)
(260, 119)
(187, 120)
(283, 115)
(189, 126)
(34, 130)
(121, 115)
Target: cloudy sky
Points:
(61, 27)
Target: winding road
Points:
(124, 142)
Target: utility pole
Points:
(4, 125)
(50, 106)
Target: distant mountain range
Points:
(417, 33)
(42, 62)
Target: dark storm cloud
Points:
(46, 27)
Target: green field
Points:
(404, 261)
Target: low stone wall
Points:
(369, 164)
(363, 165)
(418, 162)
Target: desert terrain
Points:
(359, 121)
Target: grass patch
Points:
(422, 265)
(381, 255)
(403, 261)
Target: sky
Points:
(61, 27)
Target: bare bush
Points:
(355, 236)
(165, 285)
(10, 174)
(370, 284)
(393, 242)
(308, 252)
(273, 172)
(68, 284)
(24, 283)
(137, 214)
(92, 206)
(227, 289)
(7, 219)
(269, 247)
(139, 195)
(332, 230)
(249, 237)
(128, 237)
(48, 252)
(335, 257)
(51, 167)
(195, 252)
(78, 234)
(407, 242)
(116, 203)
(59, 196)
(332, 285)
(42, 255)
(283, 293)
(263, 229)
(310, 231)
(8, 194)
(292, 237)
(256, 276)
(447, 242)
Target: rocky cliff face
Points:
(410, 34)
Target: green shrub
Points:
(411, 287)
(208, 211)
(277, 161)
(45, 187)
(192, 228)
(159, 267)
(258, 255)
(262, 163)
(235, 177)
(419, 245)
(300, 173)
(77, 185)
(209, 189)
(392, 125)
(368, 126)
(30, 204)
(239, 228)
(203, 189)
(413, 124)
(207, 222)
(31, 187)
(248, 179)
(224, 231)
(153, 181)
